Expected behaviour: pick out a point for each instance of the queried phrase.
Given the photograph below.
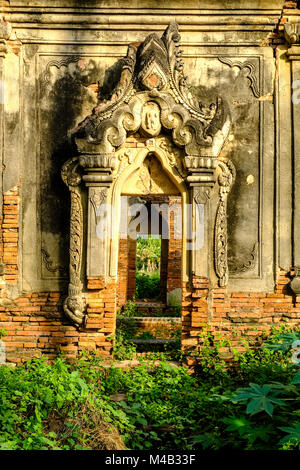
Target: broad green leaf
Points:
(237, 424)
(293, 433)
(259, 397)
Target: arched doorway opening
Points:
(150, 255)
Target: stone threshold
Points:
(153, 341)
(150, 319)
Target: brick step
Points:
(153, 341)
(143, 319)
(129, 363)
(158, 327)
(152, 345)
(152, 309)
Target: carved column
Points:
(201, 179)
(97, 179)
(292, 34)
(226, 180)
(74, 303)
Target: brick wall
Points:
(126, 270)
(131, 268)
(174, 252)
(122, 271)
(10, 234)
(36, 324)
(236, 315)
(159, 327)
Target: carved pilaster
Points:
(201, 229)
(201, 170)
(98, 226)
(98, 168)
(226, 180)
(74, 304)
(292, 35)
(201, 179)
(97, 177)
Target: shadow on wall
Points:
(68, 92)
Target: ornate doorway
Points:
(151, 137)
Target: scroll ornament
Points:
(226, 180)
(292, 32)
(74, 304)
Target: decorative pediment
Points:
(153, 67)
(153, 93)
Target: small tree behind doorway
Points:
(148, 256)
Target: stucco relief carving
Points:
(150, 178)
(295, 282)
(150, 124)
(202, 196)
(97, 198)
(153, 80)
(124, 158)
(49, 263)
(74, 304)
(250, 70)
(226, 180)
(174, 154)
(292, 32)
(249, 264)
(46, 76)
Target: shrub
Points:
(44, 406)
(129, 310)
(252, 406)
(147, 286)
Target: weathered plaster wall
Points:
(54, 58)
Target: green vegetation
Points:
(129, 310)
(147, 286)
(148, 253)
(124, 348)
(253, 404)
(2, 332)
